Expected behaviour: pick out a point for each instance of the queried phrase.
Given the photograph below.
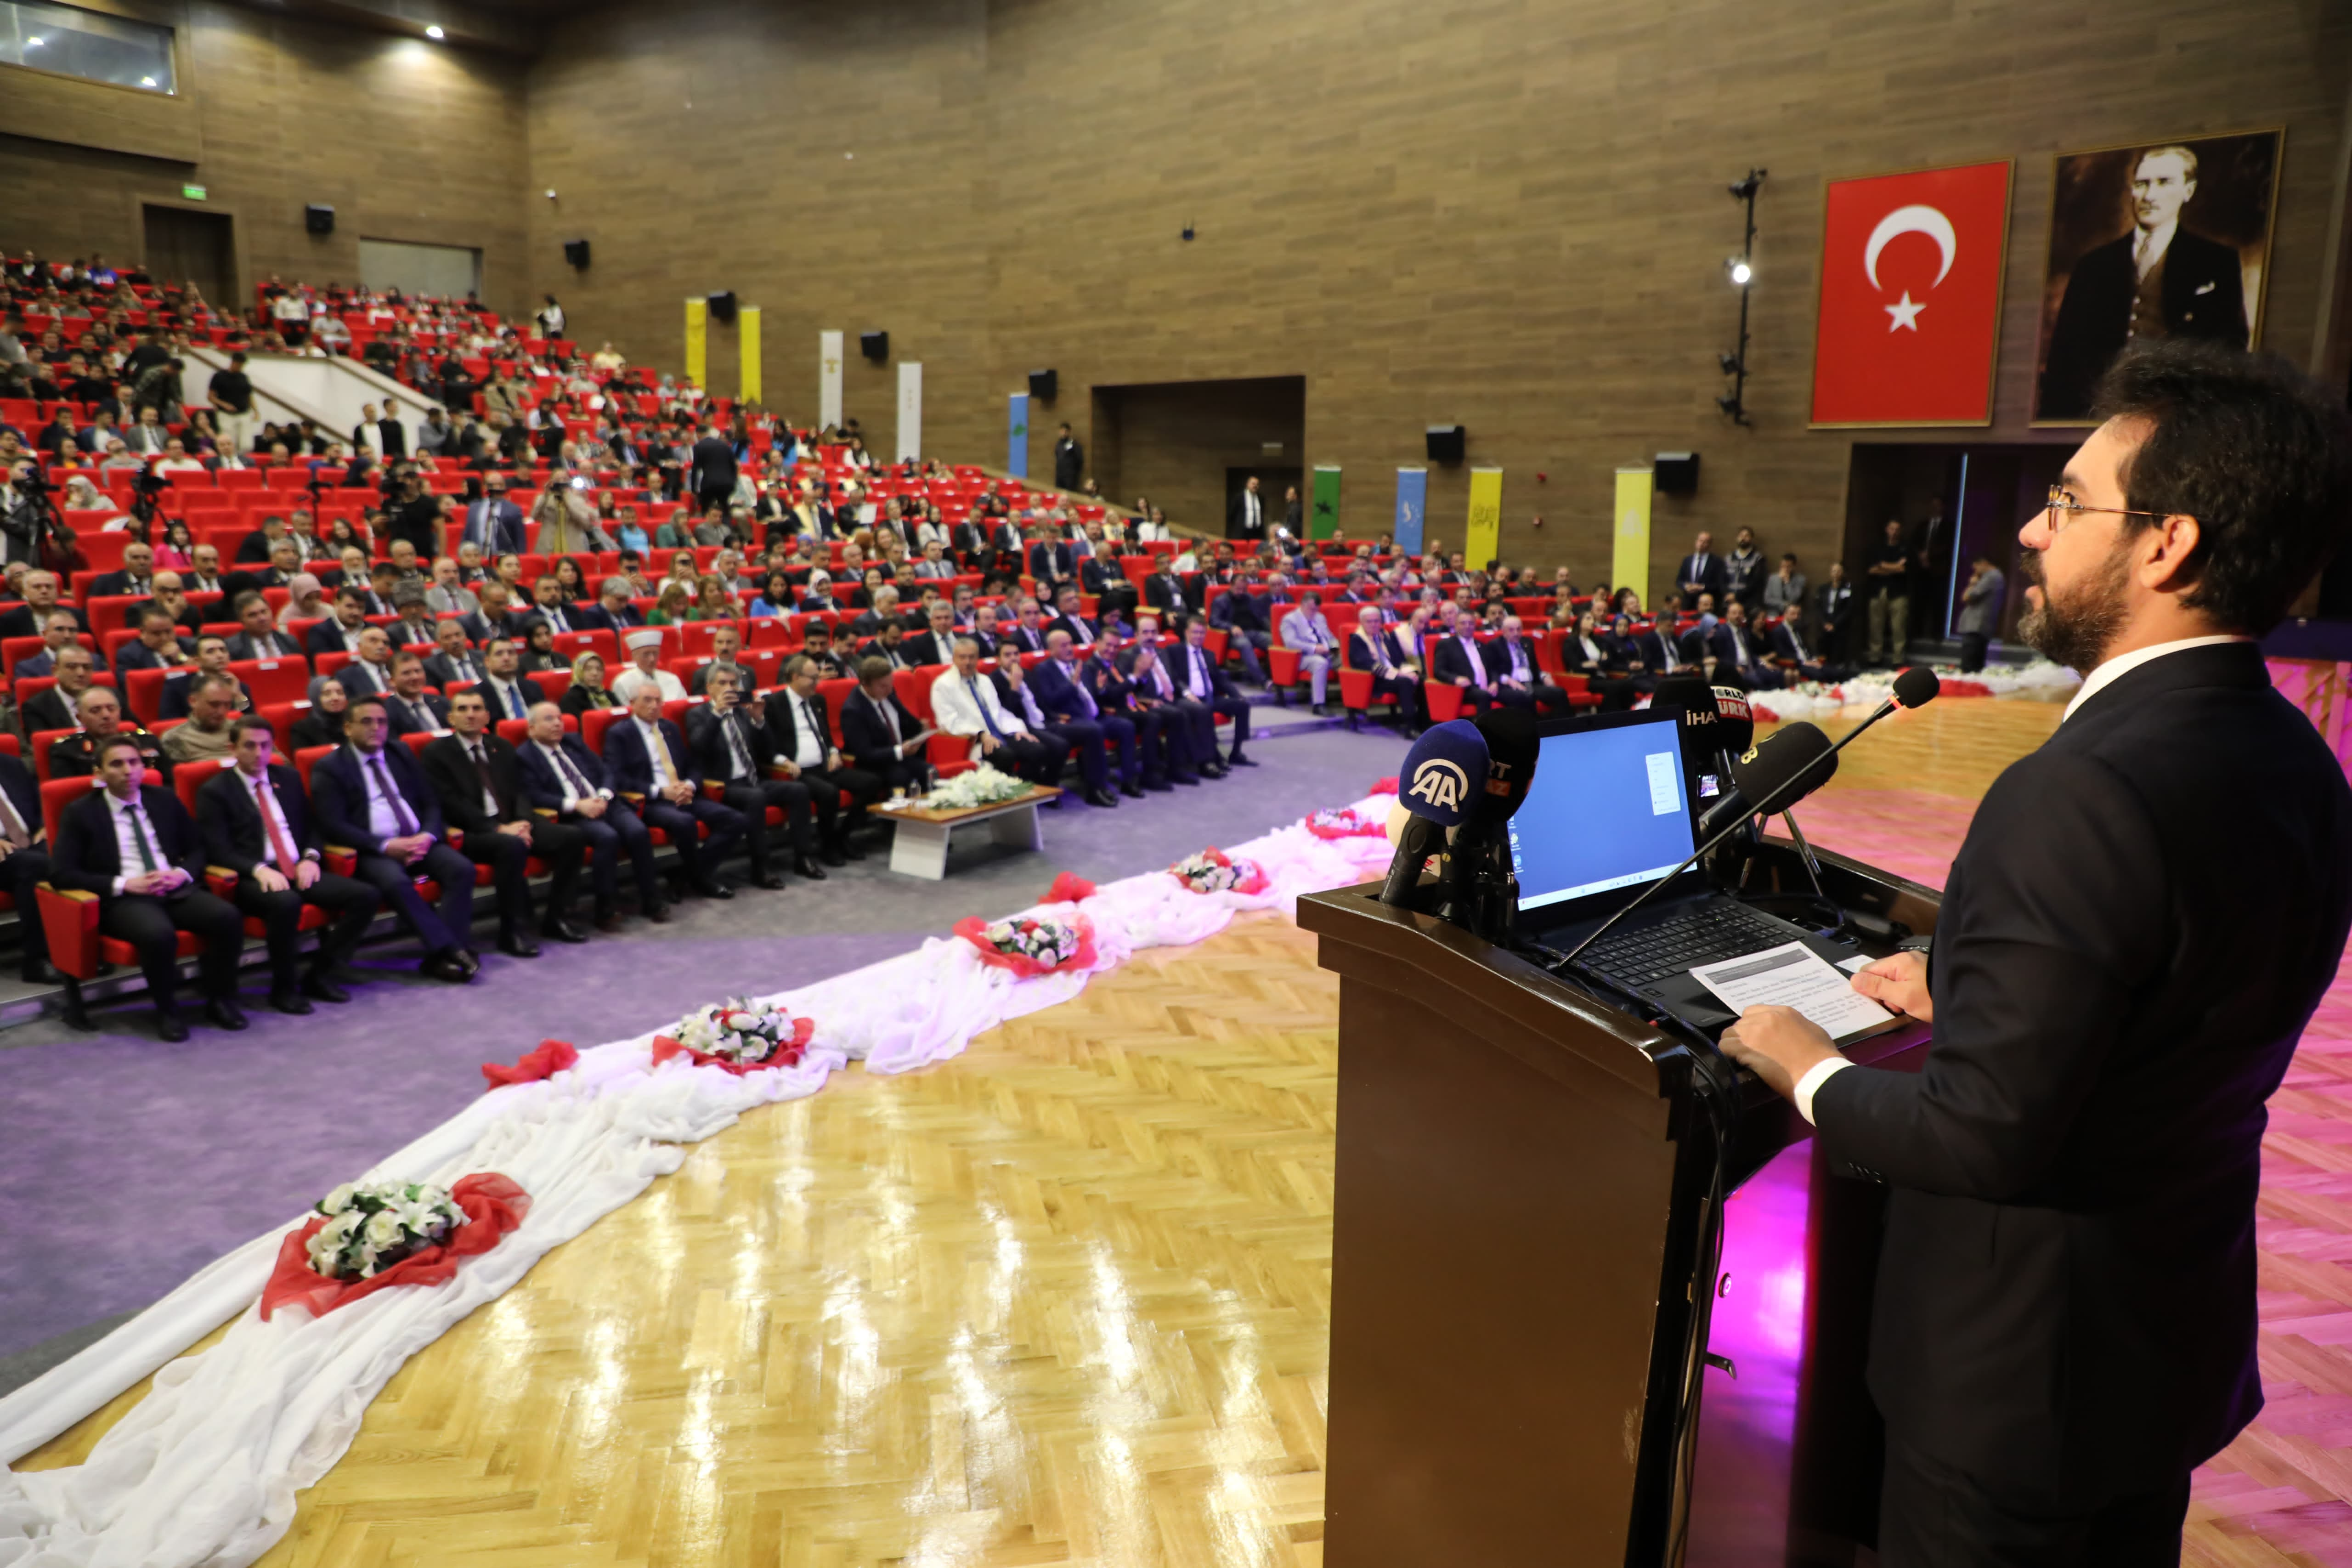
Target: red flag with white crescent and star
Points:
(1911, 271)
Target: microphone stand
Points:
(1762, 807)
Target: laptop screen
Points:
(1607, 809)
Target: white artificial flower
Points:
(384, 1230)
(341, 1198)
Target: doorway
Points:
(184, 245)
(1188, 445)
(1273, 482)
(1953, 501)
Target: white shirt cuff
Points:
(1810, 1084)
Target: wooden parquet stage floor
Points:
(1065, 1299)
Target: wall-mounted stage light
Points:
(1741, 270)
(435, 33)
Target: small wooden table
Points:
(919, 848)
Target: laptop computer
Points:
(1609, 812)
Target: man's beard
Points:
(2075, 630)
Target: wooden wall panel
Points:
(1504, 213)
(405, 139)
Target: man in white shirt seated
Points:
(644, 655)
(964, 702)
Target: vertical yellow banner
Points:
(697, 338)
(1629, 562)
(747, 335)
(1485, 538)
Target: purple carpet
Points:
(243, 1130)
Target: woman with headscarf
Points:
(587, 688)
(323, 724)
(305, 601)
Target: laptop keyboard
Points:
(1716, 929)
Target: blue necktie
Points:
(973, 686)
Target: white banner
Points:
(828, 380)
(910, 410)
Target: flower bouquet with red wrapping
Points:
(1028, 946)
(1344, 823)
(738, 1036)
(363, 1238)
(1214, 871)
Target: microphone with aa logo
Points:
(1444, 777)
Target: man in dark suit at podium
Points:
(2142, 919)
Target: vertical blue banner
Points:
(1016, 435)
(1412, 507)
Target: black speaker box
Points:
(722, 308)
(318, 219)
(575, 253)
(1447, 442)
(875, 345)
(1044, 384)
(1676, 473)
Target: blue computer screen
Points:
(1606, 809)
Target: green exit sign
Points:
(194, 193)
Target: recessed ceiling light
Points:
(434, 31)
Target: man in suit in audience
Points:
(726, 643)
(1372, 646)
(799, 733)
(1207, 694)
(1245, 518)
(508, 694)
(159, 646)
(415, 708)
(452, 662)
(935, 643)
(24, 863)
(1517, 679)
(651, 765)
(611, 611)
(170, 598)
(495, 618)
(817, 644)
(712, 475)
(880, 736)
(1164, 592)
(1049, 560)
(1456, 659)
(888, 643)
(1794, 652)
(1306, 633)
(134, 578)
(494, 523)
(1059, 687)
(53, 706)
(373, 797)
(1248, 626)
(132, 846)
(567, 786)
(341, 632)
(28, 619)
(1083, 738)
(255, 821)
(257, 636)
(179, 689)
(1702, 572)
(479, 781)
(1027, 632)
(59, 632)
(1082, 632)
(965, 703)
(1159, 737)
(737, 755)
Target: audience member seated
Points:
(567, 785)
(1373, 647)
(25, 862)
(255, 821)
(31, 618)
(1082, 737)
(206, 734)
(453, 661)
(1518, 680)
(964, 703)
(1191, 758)
(888, 644)
(323, 724)
(736, 755)
(885, 738)
(1201, 683)
(259, 637)
(725, 643)
(374, 798)
(135, 578)
(134, 846)
(54, 707)
(1794, 652)
(645, 672)
(651, 766)
(1306, 633)
(478, 778)
(177, 700)
(1059, 687)
(415, 708)
(75, 756)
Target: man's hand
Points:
(680, 794)
(1779, 1044)
(271, 879)
(409, 847)
(516, 831)
(150, 882)
(1900, 982)
(831, 759)
(306, 873)
(591, 807)
(987, 745)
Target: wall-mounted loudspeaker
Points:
(575, 253)
(722, 308)
(1043, 384)
(1676, 473)
(318, 219)
(1445, 443)
(875, 346)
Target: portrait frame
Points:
(2235, 205)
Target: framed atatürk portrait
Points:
(2155, 239)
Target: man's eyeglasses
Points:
(2064, 509)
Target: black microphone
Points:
(1479, 892)
(1441, 785)
(1787, 754)
(1915, 688)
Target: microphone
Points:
(1915, 688)
(1442, 781)
(1735, 721)
(1479, 892)
(1765, 770)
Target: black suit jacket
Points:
(1452, 659)
(713, 466)
(867, 738)
(458, 787)
(539, 784)
(231, 830)
(340, 794)
(85, 858)
(23, 794)
(244, 645)
(921, 648)
(2203, 294)
(2142, 919)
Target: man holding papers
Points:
(2142, 920)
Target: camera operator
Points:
(414, 515)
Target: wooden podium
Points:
(1521, 1170)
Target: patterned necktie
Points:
(391, 795)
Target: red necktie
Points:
(277, 845)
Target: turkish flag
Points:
(1911, 270)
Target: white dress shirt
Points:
(384, 818)
(265, 801)
(563, 768)
(129, 823)
(657, 752)
(1197, 682)
(808, 735)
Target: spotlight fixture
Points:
(435, 33)
(1741, 270)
